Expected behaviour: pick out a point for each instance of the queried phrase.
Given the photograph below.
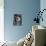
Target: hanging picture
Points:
(17, 19)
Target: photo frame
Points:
(17, 19)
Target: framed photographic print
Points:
(17, 19)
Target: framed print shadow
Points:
(17, 19)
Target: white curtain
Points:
(1, 20)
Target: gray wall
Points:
(25, 7)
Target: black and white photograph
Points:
(17, 19)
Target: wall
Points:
(25, 7)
